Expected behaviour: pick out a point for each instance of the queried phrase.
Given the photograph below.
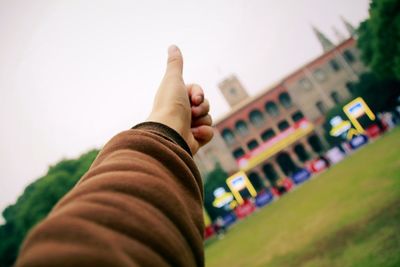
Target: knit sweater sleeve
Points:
(139, 204)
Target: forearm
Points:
(138, 205)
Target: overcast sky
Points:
(74, 73)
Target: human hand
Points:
(181, 107)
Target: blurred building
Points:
(271, 134)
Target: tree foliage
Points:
(335, 111)
(380, 95)
(214, 179)
(379, 38)
(36, 202)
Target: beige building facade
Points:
(274, 133)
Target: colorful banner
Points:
(264, 198)
(229, 219)
(334, 155)
(275, 144)
(358, 141)
(356, 109)
(318, 165)
(245, 209)
(240, 181)
(300, 176)
(222, 197)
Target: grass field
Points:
(347, 216)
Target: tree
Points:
(380, 95)
(36, 202)
(214, 179)
(335, 111)
(379, 38)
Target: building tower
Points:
(340, 37)
(324, 41)
(350, 28)
(233, 90)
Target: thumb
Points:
(175, 62)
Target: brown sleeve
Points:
(138, 205)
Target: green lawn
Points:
(347, 216)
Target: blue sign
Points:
(229, 219)
(358, 141)
(300, 176)
(264, 198)
(356, 109)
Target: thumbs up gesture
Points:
(182, 107)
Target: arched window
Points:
(315, 144)
(270, 174)
(283, 125)
(241, 128)
(305, 84)
(334, 65)
(335, 97)
(285, 100)
(301, 153)
(297, 116)
(228, 136)
(238, 153)
(321, 107)
(267, 134)
(252, 144)
(272, 108)
(286, 163)
(256, 117)
(256, 181)
(348, 55)
(350, 87)
(319, 75)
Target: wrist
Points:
(166, 132)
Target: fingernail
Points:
(173, 49)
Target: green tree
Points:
(380, 95)
(36, 202)
(335, 111)
(379, 38)
(214, 179)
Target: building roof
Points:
(246, 102)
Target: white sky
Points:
(74, 73)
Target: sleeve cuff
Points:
(165, 132)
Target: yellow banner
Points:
(269, 149)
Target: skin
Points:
(182, 107)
